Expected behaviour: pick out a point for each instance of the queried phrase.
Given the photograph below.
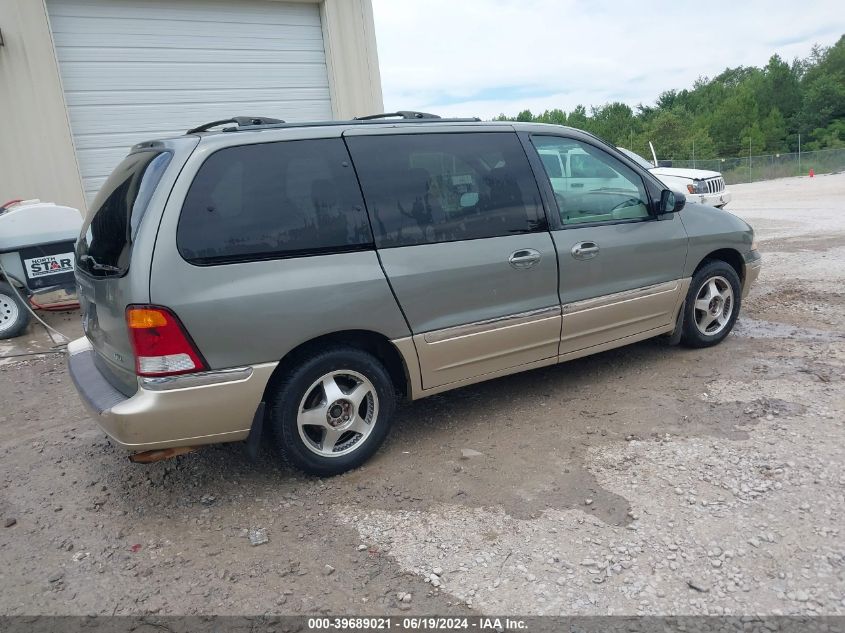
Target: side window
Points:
(589, 184)
(426, 188)
(268, 200)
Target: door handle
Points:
(524, 258)
(585, 250)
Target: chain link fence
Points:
(769, 166)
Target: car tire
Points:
(332, 411)
(14, 314)
(712, 305)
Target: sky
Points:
(486, 57)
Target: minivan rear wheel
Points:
(332, 412)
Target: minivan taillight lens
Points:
(162, 346)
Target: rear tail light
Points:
(162, 346)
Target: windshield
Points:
(642, 162)
(105, 243)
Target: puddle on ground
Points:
(754, 328)
(25, 349)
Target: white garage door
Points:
(133, 70)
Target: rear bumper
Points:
(188, 410)
(752, 272)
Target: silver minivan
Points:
(256, 278)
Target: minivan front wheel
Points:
(333, 411)
(712, 304)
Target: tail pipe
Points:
(149, 457)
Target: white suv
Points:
(699, 185)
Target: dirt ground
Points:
(644, 480)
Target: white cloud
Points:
(483, 57)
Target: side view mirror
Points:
(670, 202)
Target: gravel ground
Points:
(644, 480)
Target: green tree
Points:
(614, 122)
(774, 132)
(668, 134)
(666, 100)
(699, 145)
(780, 88)
(730, 121)
(578, 118)
(556, 117)
(823, 88)
(718, 118)
(753, 140)
(824, 102)
(830, 137)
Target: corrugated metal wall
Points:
(37, 157)
(139, 69)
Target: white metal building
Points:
(83, 80)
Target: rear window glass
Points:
(105, 244)
(271, 200)
(425, 188)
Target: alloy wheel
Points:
(714, 306)
(337, 413)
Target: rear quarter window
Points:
(105, 244)
(273, 200)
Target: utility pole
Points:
(749, 158)
(799, 153)
(693, 153)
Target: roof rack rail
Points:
(402, 114)
(240, 121)
(244, 123)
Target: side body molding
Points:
(441, 360)
(616, 316)
(476, 349)
(454, 357)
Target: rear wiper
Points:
(95, 265)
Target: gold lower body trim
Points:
(477, 349)
(464, 355)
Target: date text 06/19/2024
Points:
(416, 623)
